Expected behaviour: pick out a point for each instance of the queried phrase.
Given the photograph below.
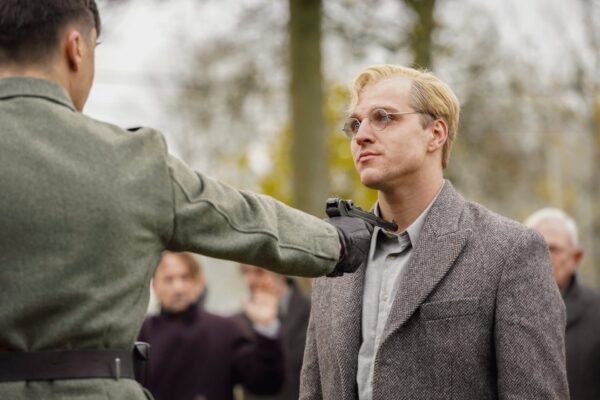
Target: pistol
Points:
(337, 207)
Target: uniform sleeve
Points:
(310, 377)
(530, 326)
(216, 220)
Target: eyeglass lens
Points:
(378, 118)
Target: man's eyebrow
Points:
(385, 107)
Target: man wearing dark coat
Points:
(582, 338)
(196, 355)
(293, 314)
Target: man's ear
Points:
(74, 43)
(439, 134)
(578, 255)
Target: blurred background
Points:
(253, 92)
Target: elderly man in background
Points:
(197, 355)
(293, 313)
(583, 304)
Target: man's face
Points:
(386, 158)
(564, 254)
(174, 285)
(258, 279)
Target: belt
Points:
(66, 364)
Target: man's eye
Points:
(380, 116)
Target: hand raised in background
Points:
(263, 305)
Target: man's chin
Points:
(176, 308)
(371, 181)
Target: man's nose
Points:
(178, 285)
(365, 132)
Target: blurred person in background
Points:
(293, 312)
(448, 306)
(196, 355)
(583, 303)
(87, 209)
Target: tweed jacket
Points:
(86, 209)
(583, 342)
(477, 315)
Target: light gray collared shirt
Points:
(389, 254)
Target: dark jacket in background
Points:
(583, 342)
(199, 356)
(294, 323)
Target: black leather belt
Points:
(67, 364)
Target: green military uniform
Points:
(86, 209)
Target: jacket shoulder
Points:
(495, 230)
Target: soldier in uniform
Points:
(87, 208)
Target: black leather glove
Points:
(355, 238)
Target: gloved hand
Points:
(355, 238)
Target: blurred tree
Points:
(340, 165)
(308, 144)
(591, 18)
(421, 36)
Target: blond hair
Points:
(428, 95)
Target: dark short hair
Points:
(29, 29)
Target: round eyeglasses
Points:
(378, 118)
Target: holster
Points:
(141, 352)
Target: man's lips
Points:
(366, 155)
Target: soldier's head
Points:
(178, 281)
(560, 232)
(411, 120)
(52, 39)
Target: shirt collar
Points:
(21, 86)
(414, 230)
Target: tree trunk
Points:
(421, 36)
(591, 26)
(308, 152)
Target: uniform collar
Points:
(21, 86)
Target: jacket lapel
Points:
(440, 242)
(346, 320)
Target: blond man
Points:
(458, 303)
